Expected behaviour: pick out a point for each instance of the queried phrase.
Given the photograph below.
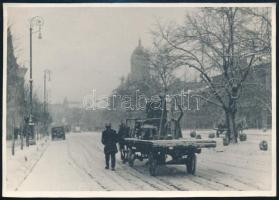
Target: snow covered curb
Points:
(19, 166)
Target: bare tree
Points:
(163, 63)
(223, 45)
(262, 37)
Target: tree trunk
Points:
(232, 133)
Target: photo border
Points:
(140, 193)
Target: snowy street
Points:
(77, 164)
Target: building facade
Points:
(254, 104)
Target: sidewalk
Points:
(21, 164)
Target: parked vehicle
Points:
(145, 144)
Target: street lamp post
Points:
(35, 27)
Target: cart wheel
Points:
(152, 165)
(131, 157)
(191, 164)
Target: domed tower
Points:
(139, 63)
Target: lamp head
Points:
(40, 31)
(36, 24)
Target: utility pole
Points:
(35, 22)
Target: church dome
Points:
(139, 51)
(139, 63)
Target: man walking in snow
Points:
(109, 140)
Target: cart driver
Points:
(109, 140)
(123, 132)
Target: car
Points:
(58, 132)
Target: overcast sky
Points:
(85, 48)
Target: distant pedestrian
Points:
(109, 140)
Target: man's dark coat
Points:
(109, 140)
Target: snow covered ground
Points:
(19, 166)
(77, 164)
